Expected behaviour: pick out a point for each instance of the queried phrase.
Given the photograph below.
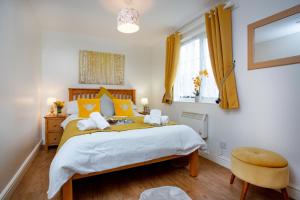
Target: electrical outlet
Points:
(223, 147)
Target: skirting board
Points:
(8, 190)
(225, 162)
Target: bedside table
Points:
(144, 113)
(53, 131)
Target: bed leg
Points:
(194, 163)
(68, 190)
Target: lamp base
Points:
(146, 109)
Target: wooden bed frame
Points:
(75, 93)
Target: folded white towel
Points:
(152, 120)
(164, 120)
(147, 119)
(100, 121)
(155, 112)
(155, 120)
(155, 116)
(86, 124)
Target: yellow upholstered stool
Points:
(261, 168)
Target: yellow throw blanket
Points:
(71, 129)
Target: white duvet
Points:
(106, 150)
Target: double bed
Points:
(97, 153)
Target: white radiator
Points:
(197, 121)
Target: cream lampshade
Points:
(50, 102)
(145, 102)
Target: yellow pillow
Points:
(123, 107)
(104, 91)
(87, 106)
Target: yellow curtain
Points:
(172, 57)
(219, 36)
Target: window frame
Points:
(191, 99)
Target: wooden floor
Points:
(212, 182)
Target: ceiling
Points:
(98, 17)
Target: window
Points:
(194, 56)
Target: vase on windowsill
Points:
(197, 83)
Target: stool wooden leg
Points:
(245, 190)
(284, 193)
(232, 178)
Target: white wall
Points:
(60, 59)
(269, 98)
(20, 82)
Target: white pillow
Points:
(72, 108)
(134, 107)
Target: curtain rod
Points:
(228, 4)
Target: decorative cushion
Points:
(107, 106)
(104, 91)
(259, 157)
(123, 107)
(106, 103)
(87, 106)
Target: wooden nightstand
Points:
(53, 130)
(144, 113)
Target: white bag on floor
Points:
(164, 193)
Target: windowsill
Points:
(192, 100)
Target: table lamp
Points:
(145, 102)
(50, 102)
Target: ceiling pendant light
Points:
(128, 19)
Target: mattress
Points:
(100, 151)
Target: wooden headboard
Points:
(76, 93)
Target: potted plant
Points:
(59, 106)
(197, 83)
